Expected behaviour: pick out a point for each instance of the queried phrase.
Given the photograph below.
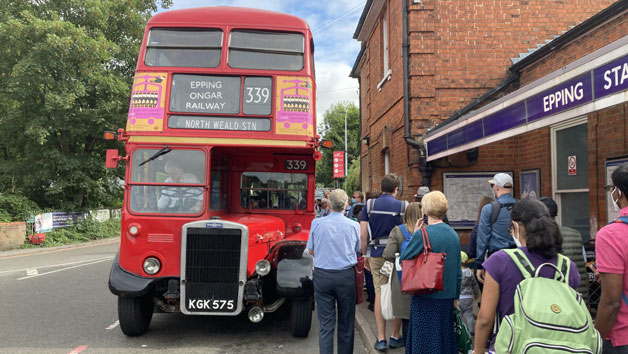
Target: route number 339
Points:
(257, 94)
(295, 165)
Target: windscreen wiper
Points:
(161, 152)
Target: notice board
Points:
(611, 165)
(463, 191)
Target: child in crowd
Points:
(469, 291)
(357, 209)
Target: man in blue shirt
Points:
(494, 236)
(379, 216)
(334, 242)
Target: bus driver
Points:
(184, 199)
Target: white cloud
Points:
(333, 85)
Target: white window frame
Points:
(556, 193)
(385, 41)
(387, 72)
(386, 161)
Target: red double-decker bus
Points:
(220, 158)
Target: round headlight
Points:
(256, 314)
(262, 267)
(152, 265)
(134, 229)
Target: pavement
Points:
(365, 324)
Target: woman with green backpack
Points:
(530, 291)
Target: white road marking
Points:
(62, 269)
(114, 325)
(31, 271)
(54, 265)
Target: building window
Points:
(385, 43)
(387, 71)
(570, 175)
(386, 161)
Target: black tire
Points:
(135, 314)
(301, 316)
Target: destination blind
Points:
(205, 94)
(219, 123)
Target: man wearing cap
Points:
(423, 190)
(494, 235)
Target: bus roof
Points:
(226, 15)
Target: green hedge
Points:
(84, 230)
(14, 207)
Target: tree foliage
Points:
(353, 177)
(16, 208)
(333, 128)
(66, 68)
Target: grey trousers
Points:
(466, 310)
(335, 288)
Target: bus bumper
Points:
(125, 284)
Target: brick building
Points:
(459, 102)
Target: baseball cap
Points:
(423, 190)
(501, 180)
(463, 257)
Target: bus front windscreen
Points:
(155, 183)
(199, 48)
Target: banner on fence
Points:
(43, 222)
(62, 219)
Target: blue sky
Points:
(332, 24)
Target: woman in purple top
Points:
(538, 236)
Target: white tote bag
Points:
(386, 296)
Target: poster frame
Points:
(609, 167)
(536, 172)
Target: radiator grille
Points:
(212, 265)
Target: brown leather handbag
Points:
(423, 274)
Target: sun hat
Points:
(463, 257)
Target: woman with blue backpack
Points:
(397, 242)
(530, 291)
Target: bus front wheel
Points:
(301, 316)
(135, 314)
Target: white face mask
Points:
(616, 202)
(515, 234)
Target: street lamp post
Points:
(346, 149)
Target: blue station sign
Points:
(586, 88)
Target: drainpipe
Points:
(424, 167)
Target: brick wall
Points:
(12, 235)
(459, 50)
(572, 51)
(607, 131)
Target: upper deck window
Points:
(266, 50)
(199, 48)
